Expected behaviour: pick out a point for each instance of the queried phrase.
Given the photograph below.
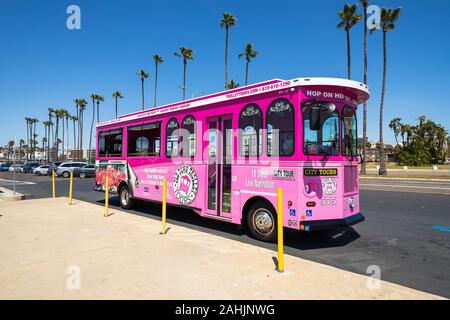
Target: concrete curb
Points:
(8, 195)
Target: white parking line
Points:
(17, 182)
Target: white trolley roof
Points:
(360, 90)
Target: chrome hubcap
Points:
(263, 221)
(124, 197)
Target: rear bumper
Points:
(333, 223)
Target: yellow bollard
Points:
(53, 184)
(164, 200)
(106, 196)
(71, 188)
(280, 231)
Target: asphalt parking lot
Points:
(406, 232)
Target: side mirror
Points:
(314, 117)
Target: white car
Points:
(16, 168)
(66, 168)
(41, 170)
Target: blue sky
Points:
(43, 64)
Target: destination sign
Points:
(312, 172)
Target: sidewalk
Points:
(124, 257)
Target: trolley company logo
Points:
(312, 172)
(329, 185)
(185, 184)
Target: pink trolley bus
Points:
(224, 155)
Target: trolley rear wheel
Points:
(126, 202)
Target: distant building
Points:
(373, 151)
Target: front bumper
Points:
(332, 223)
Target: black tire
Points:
(262, 221)
(38, 173)
(82, 175)
(66, 174)
(126, 202)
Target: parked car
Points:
(66, 168)
(4, 167)
(16, 168)
(54, 166)
(41, 170)
(29, 166)
(88, 171)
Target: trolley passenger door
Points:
(220, 156)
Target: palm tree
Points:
(231, 85)
(27, 120)
(94, 98)
(395, 126)
(51, 111)
(117, 95)
(388, 17)
(74, 120)
(228, 21)
(21, 143)
(158, 60)
(249, 54)
(348, 20)
(63, 115)
(59, 114)
(143, 75)
(82, 105)
(44, 141)
(365, 4)
(186, 54)
(98, 100)
(31, 122)
(47, 125)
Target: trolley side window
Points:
(172, 138)
(250, 131)
(188, 130)
(144, 140)
(110, 143)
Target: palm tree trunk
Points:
(56, 141)
(246, 72)
(92, 126)
(184, 79)
(364, 151)
(348, 54)
(226, 56)
(31, 141)
(98, 111)
(80, 132)
(74, 136)
(156, 82)
(67, 135)
(142, 89)
(116, 107)
(383, 91)
(63, 136)
(28, 139)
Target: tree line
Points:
(421, 144)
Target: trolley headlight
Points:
(351, 202)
